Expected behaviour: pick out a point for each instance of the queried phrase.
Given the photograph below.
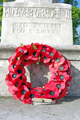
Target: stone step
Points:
(67, 108)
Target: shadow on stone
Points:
(67, 99)
(39, 74)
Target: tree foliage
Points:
(1, 10)
(75, 18)
(72, 2)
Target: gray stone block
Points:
(41, 21)
(65, 109)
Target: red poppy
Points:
(17, 83)
(13, 59)
(49, 59)
(63, 67)
(15, 67)
(20, 51)
(51, 91)
(62, 94)
(12, 91)
(21, 92)
(39, 89)
(59, 84)
(8, 80)
(60, 76)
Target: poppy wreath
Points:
(59, 67)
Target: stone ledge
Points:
(65, 109)
(70, 52)
(58, 47)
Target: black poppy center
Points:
(21, 51)
(42, 94)
(51, 93)
(53, 98)
(45, 57)
(16, 84)
(51, 54)
(61, 77)
(32, 96)
(44, 50)
(67, 71)
(51, 61)
(27, 53)
(56, 73)
(57, 60)
(54, 79)
(14, 75)
(25, 60)
(43, 101)
(21, 64)
(20, 77)
(58, 86)
(29, 89)
(34, 54)
(12, 59)
(44, 47)
(14, 66)
(44, 89)
(23, 92)
(37, 90)
(61, 68)
(19, 71)
(23, 83)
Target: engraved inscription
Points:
(36, 28)
(44, 13)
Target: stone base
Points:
(65, 109)
(40, 74)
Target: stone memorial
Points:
(43, 21)
(27, 21)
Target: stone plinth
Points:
(35, 1)
(41, 21)
(40, 74)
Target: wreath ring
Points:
(59, 67)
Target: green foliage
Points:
(1, 9)
(72, 2)
(2, 1)
(76, 22)
(75, 18)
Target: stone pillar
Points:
(27, 21)
(38, 1)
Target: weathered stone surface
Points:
(35, 1)
(70, 52)
(65, 109)
(3, 72)
(43, 22)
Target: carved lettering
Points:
(36, 28)
(43, 13)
